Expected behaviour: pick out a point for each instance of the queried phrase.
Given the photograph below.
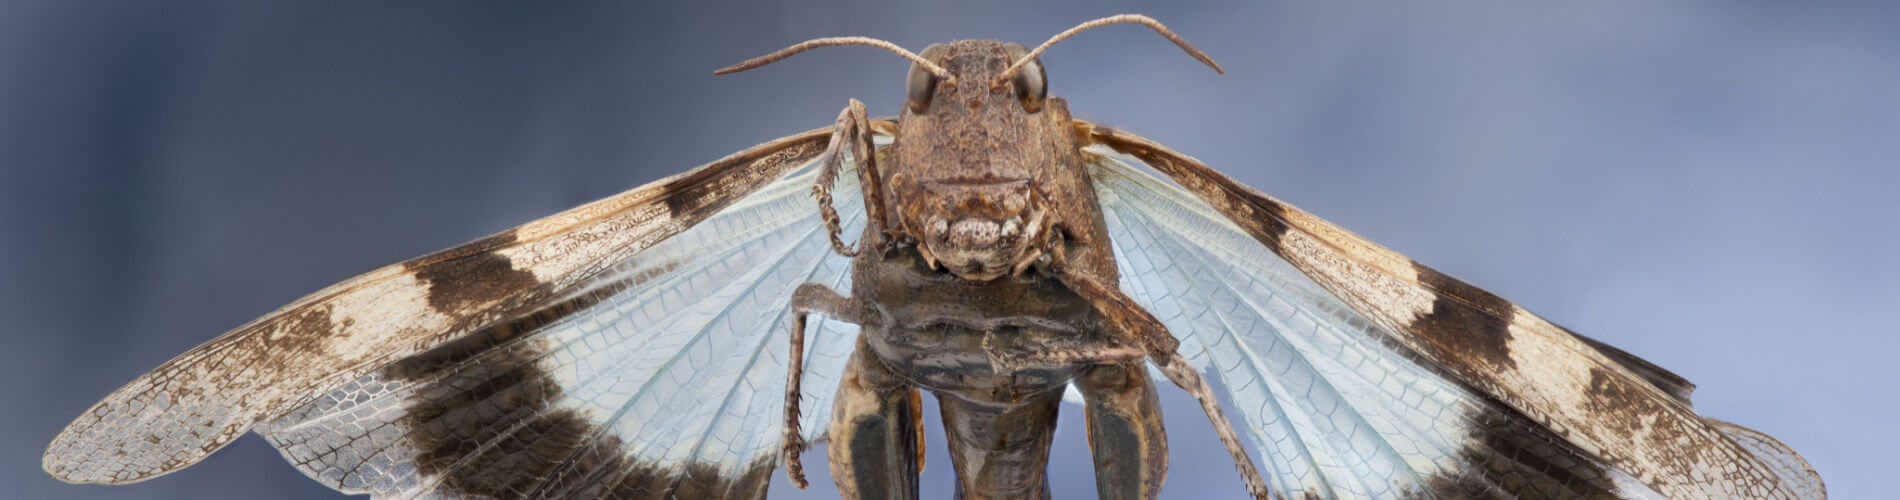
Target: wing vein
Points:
(1252, 358)
(697, 336)
(1356, 411)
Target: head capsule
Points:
(972, 159)
(983, 156)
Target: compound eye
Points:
(918, 88)
(1032, 85)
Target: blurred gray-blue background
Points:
(1706, 184)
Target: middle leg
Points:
(809, 298)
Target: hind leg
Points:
(875, 444)
(1125, 432)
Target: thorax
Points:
(938, 330)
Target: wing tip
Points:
(75, 458)
(54, 462)
(60, 461)
(1795, 470)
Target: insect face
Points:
(972, 156)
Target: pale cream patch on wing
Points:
(400, 300)
(551, 260)
(1562, 373)
(1554, 383)
(1642, 430)
(1348, 243)
(1394, 295)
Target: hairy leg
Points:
(809, 298)
(1131, 324)
(1186, 378)
(852, 130)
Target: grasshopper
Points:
(985, 276)
(1006, 252)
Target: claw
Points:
(795, 470)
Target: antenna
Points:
(833, 42)
(1116, 19)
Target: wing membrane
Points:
(668, 382)
(1370, 327)
(1338, 409)
(497, 301)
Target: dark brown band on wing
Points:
(1662, 444)
(474, 279)
(1508, 455)
(284, 360)
(485, 423)
(434, 363)
(1465, 320)
(1511, 457)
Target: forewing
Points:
(261, 371)
(1363, 374)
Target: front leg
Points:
(809, 298)
(852, 130)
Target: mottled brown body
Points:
(935, 331)
(980, 186)
(984, 276)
